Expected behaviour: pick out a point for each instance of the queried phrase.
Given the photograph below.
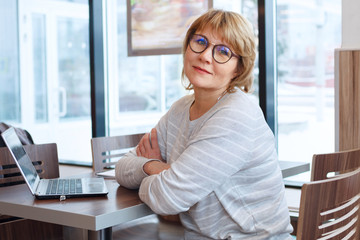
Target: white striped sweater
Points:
(224, 179)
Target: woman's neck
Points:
(203, 103)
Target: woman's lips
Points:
(201, 70)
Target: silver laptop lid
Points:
(21, 158)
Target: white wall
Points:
(350, 24)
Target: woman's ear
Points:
(239, 70)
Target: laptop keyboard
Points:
(64, 186)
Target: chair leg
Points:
(294, 222)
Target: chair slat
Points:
(337, 162)
(329, 209)
(107, 150)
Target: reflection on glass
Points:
(39, 61)
(151, 33)
(73, 65)
(9, 63)
(173, 86)
(139, 85)
(307, 34)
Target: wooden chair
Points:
(329, 209)
(334, 163)
(45, 160)
(324, 165)
(106, 151)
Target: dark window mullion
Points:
(97, 66)
(267, 54)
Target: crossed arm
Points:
(149, 148)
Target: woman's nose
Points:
(207, 54)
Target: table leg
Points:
(104, 234)
(71, 233)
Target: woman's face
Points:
(203, 72)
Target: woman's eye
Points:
(201, 41)
(223, 50)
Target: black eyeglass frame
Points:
(213, 50)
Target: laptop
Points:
(61, 188)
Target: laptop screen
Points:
(23, 160)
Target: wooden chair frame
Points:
(106, 151)
(337, 162)
(330, 208)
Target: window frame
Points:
(267, 71)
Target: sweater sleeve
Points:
(129, 170)
(222, 146)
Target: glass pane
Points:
(74, 67)
(55, 76)
(307, 34)
(9, 63)
(138, 85)
(39, 61)
(142, 88)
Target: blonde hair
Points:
(237, 32)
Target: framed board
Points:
(157, 27)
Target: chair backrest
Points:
(43, 156)
(106, 151)
(329, 209)
(24, 136)
(337, 162)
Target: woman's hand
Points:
(155, 167)
(149, 148)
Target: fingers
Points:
(154, 140)
(144, 147)
(146, 142)
(140, 148)
(138, 151)
(149, 147)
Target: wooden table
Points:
(97, 215)
(289, 168)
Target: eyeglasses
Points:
(221, 53)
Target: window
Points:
(45, 66)
(308, 32)
(142, 88)
(10, 107)
(39, 61)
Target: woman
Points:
(211, 158)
